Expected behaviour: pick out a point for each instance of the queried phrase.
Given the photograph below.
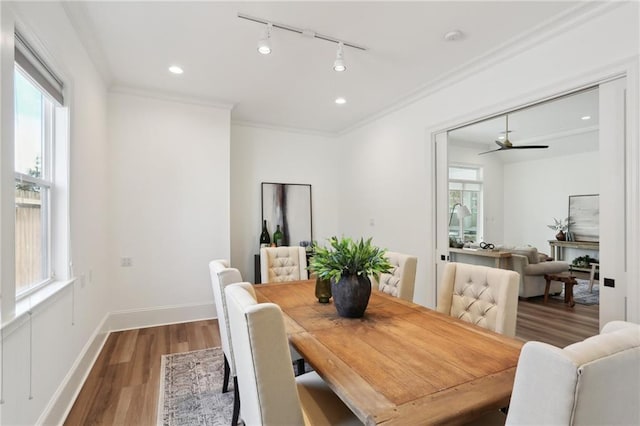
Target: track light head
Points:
(338, 64)
(264, 44)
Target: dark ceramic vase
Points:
(351, 295)
(560, 236)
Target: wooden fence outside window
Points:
(28, 238)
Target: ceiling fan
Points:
(507, 145)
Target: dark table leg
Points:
(546, 288)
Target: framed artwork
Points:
(288, 205)
(584, 217)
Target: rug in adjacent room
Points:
(191, 389)
(581, 293)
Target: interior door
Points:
(613, 207)
(441, 191)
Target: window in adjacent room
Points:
(40, 164)
(465, 188)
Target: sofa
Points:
(532, 265)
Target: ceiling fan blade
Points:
(494, 150)
(530, 147)
(500, 144)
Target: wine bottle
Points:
(278, 236)
(265, 241)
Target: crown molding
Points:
(552, 27)
(171, 97)
(77, 13)
(277, 128)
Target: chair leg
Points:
(236, 402)
(227, 371)
(300, 366)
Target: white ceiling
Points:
(133, 44)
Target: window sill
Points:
(33, 302)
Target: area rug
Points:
(191, 390)
(581, 293)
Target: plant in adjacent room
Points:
(560, 224)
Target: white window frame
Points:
(46, 181)
(11, 307)
(479, 181)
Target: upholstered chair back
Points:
(222, 276)
(265, 377)
(401, 280)
(593, 382)
(484, 296)
(280, 264)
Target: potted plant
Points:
(560, 225)
(348, 265)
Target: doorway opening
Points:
(547, 154)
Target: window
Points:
(465, 189)
(39, 151)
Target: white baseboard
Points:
(62, 400)
(162, 315)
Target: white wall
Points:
(537, 191)
(267, 155)
(169, 210)
(393, 155)
(492, 189)
(64, 326)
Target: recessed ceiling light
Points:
(586, 117)
(341, 101)
(175, 69)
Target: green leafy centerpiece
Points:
(348, 265)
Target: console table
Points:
(557, 249)
(500, 257)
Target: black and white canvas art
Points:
(584, 217)
(288, 205)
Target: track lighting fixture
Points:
(338, 64)
(264, 45)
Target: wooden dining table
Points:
(402, 363)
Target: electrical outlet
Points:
(126, 262)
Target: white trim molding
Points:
(170, 97)
(65, 396)
(161, 315)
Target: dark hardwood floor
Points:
(555, 322)
(122, 388)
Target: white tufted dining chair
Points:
(401, 281)
(280, 264)
(222, 276)
(270, 393)
(592, 382)
(484, 296)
